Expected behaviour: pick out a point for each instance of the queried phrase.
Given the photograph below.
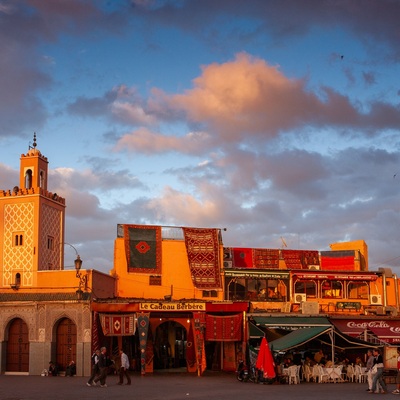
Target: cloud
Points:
(25, 25)
(370, 21)
(145, 141)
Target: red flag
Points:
(265, 361)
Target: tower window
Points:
(41, 179)
(50, 242)
(28, 179)
(18, 239)
(18, 278)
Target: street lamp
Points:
(82, 277)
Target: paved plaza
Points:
(176, 386)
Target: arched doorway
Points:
(17, 359)
(65, 343)
(170, 346)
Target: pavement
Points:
(177, 386)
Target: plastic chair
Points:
(307, 372)
(359, 375)
(322, 375)
(350, 373)
(293, 374)
(336, 375)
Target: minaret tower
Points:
(31, 225)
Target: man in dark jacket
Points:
(103, 363)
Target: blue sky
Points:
(270, 118)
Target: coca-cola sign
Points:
(387, 331)
(367, 324)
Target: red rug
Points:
(224, 328)
(202, 246)
(117, 325)
(266, 258)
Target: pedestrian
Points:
(369, 364)
(95, 367)
(53, 369)
(103, 363)
(123, 371)
(397, 391)
(71, 369)
(378, 377)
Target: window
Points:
(18, 279)
(155, 280)
(357, 290)
(41, 179)
(50, 243)
(307, 287)
(28, 179)
(210, 293)
(331, 289)
(18, 239)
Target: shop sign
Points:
(172, 306)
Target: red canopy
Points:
(265, 361)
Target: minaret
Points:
(31, 225)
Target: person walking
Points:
(103, 363)
(378, 377)
(123, 371)
(369, 364)
(397, 391)
(95, 367)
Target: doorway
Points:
(170, 346)
(65, 343)
(17, 359)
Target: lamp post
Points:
(82, 277)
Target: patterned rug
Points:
(202, 246)
(266, 258)
(118, 325)
(224, 328)
(143, 248)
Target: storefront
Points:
(192, 336)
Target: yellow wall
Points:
(175, 274)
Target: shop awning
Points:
(255, 331)
(298, 337)
(386, 330)
(291, 322)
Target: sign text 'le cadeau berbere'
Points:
(175, 306)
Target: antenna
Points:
(283, 242)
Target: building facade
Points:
(175, 297)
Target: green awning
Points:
(255, 331)
(290, 322)
(298, 337)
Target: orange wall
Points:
(175, 274)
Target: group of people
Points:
(101, 363)
(373, 365)
(70, 370)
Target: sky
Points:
(277, 120)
